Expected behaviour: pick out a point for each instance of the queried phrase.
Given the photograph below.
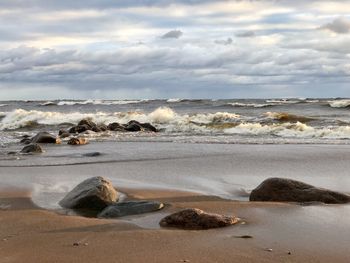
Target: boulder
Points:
(149, 127)
(130, 208)
(45, 137)
(79, 128)
(32, 148)
(77, 141)
(26, 141)
(87, 122)
(102, 127)
(63, 133)
(96, 129)
(134, 127)
(194, 218)
(115, 126)
(287, 190)
(95, 194)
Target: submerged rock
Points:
(92, 154)
(194, 218)
(45, 137)
(32, 148)
(77, 141)
(130, 208)
(287, 190)
(94, 193)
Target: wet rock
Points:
(149, 127)
(134, 127)
(77, 141)
(63, 133)
(45, 137)
(194, 218)
(287, 190)
(25, 141)
(95, 193)
(32, 148)
(115, 126)
(130, 208)
(92, 154)
(79, 128)
(86, 122)
(96, 129)
(102, 127)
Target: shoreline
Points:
(48, 233)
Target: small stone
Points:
(244, 236)
(289, 253)
(75, 244)
(86, 244)
(268, 249)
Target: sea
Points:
(233, 121)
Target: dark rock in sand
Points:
(115, 126)
(194, 218)
(45, 137)
(92, 154)
(77, 141)
(130, 208)
(32, 148)
(95, 194)
(87, 122)
(287, 190)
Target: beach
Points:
(214, 177)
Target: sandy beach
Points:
(35, 229)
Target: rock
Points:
(87, 122)
(149, 127)
(287, 190)
(95, 193)
(134, 127)
(115, 126)
(63, 133)
(130, 208)
(194, 218)
(77, 141)
(102, 127)
(32, 148)
(26, 141)
(45, 137)
(92, 154)
(96, 129)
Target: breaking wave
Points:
(339, 103)
(251, 105)
(291, 130)
(164, 117)
(90, 102)
(3, 105)
(174, 100)
(287, 117)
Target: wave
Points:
(250, 105)
(164, 117)
(93, 102)
(287, 117)
(3, 105)
(174, 100)
(291, 130)
(339, 103)
(284, 101)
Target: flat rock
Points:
(45, 137)
(194, 218)
(130, 208)
(32, 148)
(95, 193)
(287, 190)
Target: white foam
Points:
(291, 130)
(99, 102)
(339, 103)
(251, 105)
(174, 100)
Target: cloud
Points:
(227, 41)
(173, 34)
(340, 25)
(246, 34)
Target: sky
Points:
(114, 49)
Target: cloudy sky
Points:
(115, 49)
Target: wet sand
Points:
(199, 177)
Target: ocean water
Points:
(259, 121)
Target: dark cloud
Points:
(227, 41)
(173, 34)
(340, 25)
(246, 34)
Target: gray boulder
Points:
(130, 208)
(95, 193)
(287, 190)
(194, 218)
(45, 137)
(32, 148)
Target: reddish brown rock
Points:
(77, 141)
(197, 219)
(287, 190)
